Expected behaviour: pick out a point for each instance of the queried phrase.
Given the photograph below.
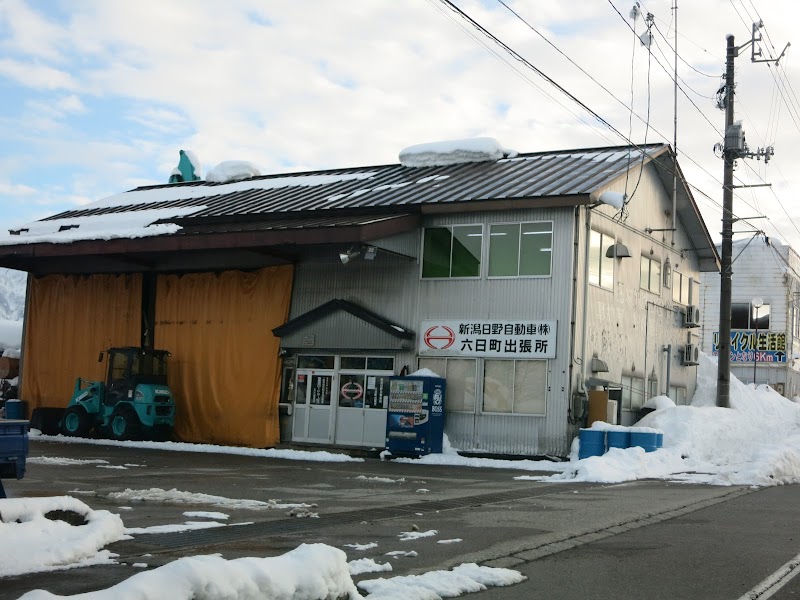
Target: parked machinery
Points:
(134, 401)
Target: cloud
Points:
(113, 90)
(38, 76)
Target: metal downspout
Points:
(668, 383)
(585, 308)
(574, 301)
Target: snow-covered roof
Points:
(223, 206)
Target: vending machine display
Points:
(415, 416)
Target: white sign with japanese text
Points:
(504, 339)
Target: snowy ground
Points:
(756, 442)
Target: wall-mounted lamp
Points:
(356, 250)
(353, 252)
(618, 250)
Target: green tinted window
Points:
(467, 244)
(436, 252)
(536, 248)
(452, 251)
(503, 250)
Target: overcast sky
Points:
(98, 96)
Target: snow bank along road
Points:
(499, 521)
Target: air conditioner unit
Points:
(692, 317)
(691, 354)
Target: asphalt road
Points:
(644, 540)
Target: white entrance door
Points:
(313, 412)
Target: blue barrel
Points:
(618, 439)
(15, 409)
(660, 440)
(648, 441)
(592, 443)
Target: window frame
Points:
(650, 263)
(451, 228)
(513, 388)
(519, 249)
(751, 316)
(602, 258)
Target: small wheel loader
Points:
(134, 402)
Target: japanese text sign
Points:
(504, 339)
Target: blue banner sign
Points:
(770, 347)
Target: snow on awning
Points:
(453, 152)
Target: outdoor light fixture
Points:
(618, 250)
(356, 250)
(353, 252)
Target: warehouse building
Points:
(526, 280)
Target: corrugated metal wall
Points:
(392, 287)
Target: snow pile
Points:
(425, 373)
(309, 572)
(367, 565)
(232, 170)
(174, 528)
(755, 442)
(32, 543)
(10, 335)
(316, 456)
(454, 152)
(435, 585)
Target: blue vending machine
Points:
(415, 416)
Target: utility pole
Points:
(729, 156)
(734, 147)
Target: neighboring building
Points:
(488, 273)
(768, 272)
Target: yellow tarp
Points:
(70, 320)
(224, 370)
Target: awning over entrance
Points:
(341, 324)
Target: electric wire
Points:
(525, 62)
(480, 41)
(670, 75)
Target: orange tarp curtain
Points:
(70, 320)
(224, 370)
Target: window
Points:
(678, 395)
(601, 267)
(632, 392)
(515, 386)
(460, 376)
(520, 249)
(452, 251)
(364, 381)
(743, 316)
(650, 275)
(681, 286)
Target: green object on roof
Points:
(184, 171)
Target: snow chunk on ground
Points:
(37, 544)
(381, 479)
(396, 553)
(453, 152)
(406, 536)
(201, 514)
(175, 496)
(362, 547)
(451, 541)
(367, 565)
(64, 462)
(174, 528)
(309, 572)
(232, 170)
(436, 585)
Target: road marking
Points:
(768, 587)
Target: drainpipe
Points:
(668, 350)
(646, 326)
(574, 316)
(585, 308)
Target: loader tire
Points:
(124, 424)
(76, 422)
